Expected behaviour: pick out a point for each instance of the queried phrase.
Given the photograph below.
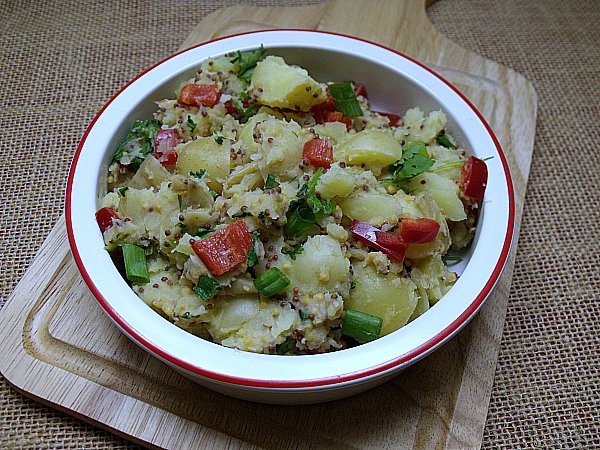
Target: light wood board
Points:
(57, 346)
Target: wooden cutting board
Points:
(58, 347)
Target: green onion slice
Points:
(361, 326)
(272, 282)
(300, 221)
(344, 99)
(206, 287)
(136, 268)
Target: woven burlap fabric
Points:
(61, 61)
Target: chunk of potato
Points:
(390, 297)
(336, 181)
(433, 276)
(371, 207)
(280, 145)
(372, 147)
(206, 154)
(443, 191)
(282, 86)
(321, 267)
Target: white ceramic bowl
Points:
(394, 83)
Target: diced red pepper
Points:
(164, 147)
(395, 120)
(105, 218)
(230, 108)
(199, 94)
(393, 247)
(473, 178)
(227, 248)
(336, 116)
(360, 90)
(319, 152)
(319, 111)
(418, 231)
(389, 240)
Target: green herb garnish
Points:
(191, 124)
(248, 61)
(219, 140)
(252, 256)
(142, 136)
(444, 141)
(293, 253)
(199, 174)
(344, 99)
(271, 182)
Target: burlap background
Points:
(61, 61)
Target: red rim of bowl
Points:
(412, 355)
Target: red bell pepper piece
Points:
(473, 178)
(225, 249)
(199, 94)
(395, 120)
(418, 231)
(230, 108)
(164, 146)
(319, 152)
(105, 218)
(336, 116)
(360, 90)
(374, 237)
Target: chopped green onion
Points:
(344, 99)
(300, 221)
(219, 140)
(445, 142)
(446, 258)
(361, 326)
(271, 182)
(123, 191)
(206, 287)
(136, 268)
(272, 282)
(186, 315)
(303, 315)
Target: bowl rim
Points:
(392, 364)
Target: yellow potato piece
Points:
(390, 297)
(373, 148)
(206, 154)
(279, 85)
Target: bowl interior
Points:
(394, 83)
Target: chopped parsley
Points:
(247, 62)
(271, 182)
(191, 124)
(219, 140)
(199, 174)
(240, 214)
(252, 256)
(293, 253)
(142, 136)
(123, 191)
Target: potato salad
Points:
(266, 211)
